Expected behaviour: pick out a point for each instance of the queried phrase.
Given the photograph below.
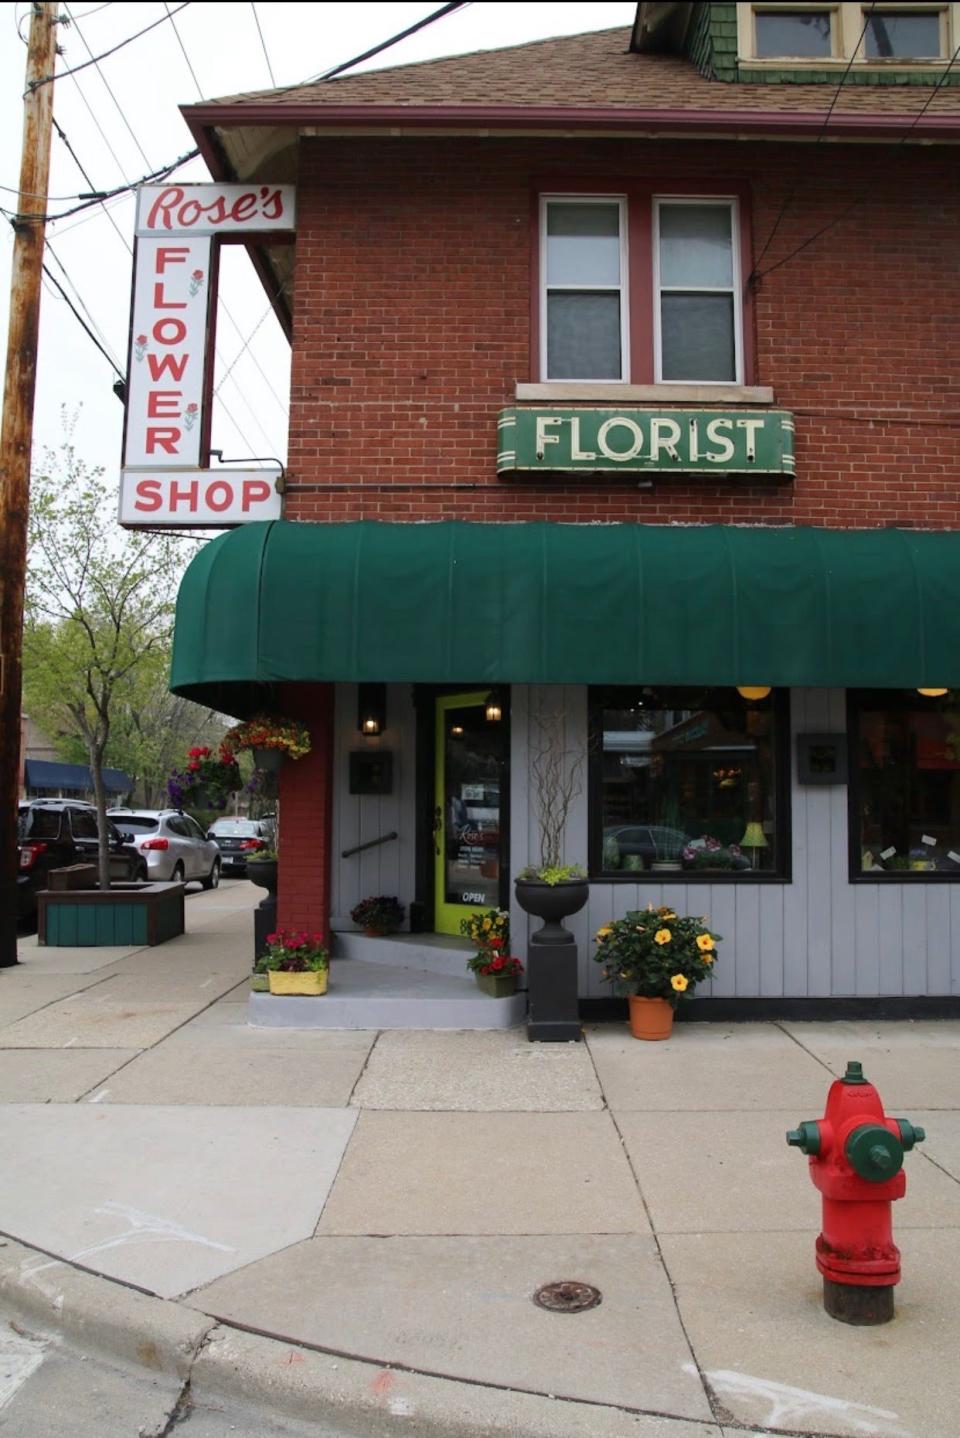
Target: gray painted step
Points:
(431, 953)
(362, 995)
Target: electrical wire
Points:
(823, 130)
(184, 49)
(116, 103)
(256, 17)
(80, 320)
(49, 250)
(49, 79)
(858, 199)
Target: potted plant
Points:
(206, 781)
(378, 916)
(496, 973)
(485, 926)
(656, 957)
(262, 869)
(271, 739)
(296, 962)
(552, 889)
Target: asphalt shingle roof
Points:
(594, 70)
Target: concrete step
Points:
(363, 995)
(430, 953)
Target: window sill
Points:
(666, 879)
(575, 391)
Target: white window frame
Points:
(728, 202)
(847, 26)
(624, 286)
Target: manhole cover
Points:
(567, 1297)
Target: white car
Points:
(173, 845)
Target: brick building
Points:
(624, 380)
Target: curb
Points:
(360, 1398)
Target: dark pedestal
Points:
(554, 1010)
(264, 923)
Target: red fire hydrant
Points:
(856, 1161)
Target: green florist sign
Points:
(662, 441)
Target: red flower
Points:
(192, 408)
(495, 943)
(198, 274)
(498, 962)
(194, 766)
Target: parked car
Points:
(172, 843)
(239, 839)
(52, 833)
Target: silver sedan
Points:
(172, 843)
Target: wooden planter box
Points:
(126, 913)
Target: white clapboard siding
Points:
(357, 818)
(817, 935)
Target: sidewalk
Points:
(350, 1226)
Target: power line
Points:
(823, 129)
(80, 320)
(117, 106)
(184, 49)
(49, 79)
(263, 42)
(761, 274)
(72, 283)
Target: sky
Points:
(122, 120)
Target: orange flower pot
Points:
(650, 1018)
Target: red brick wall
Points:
(303, 893)
(412, 328)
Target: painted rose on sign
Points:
(196, 283)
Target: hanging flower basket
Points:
(271, 739)
(206, 781)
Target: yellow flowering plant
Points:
(656, 953)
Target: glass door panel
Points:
(469, 844)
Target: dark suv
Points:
(52, 833)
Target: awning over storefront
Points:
(50, 777)
(565, 604)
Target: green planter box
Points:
(498, 986)
(143, 914)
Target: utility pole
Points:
(16, 440)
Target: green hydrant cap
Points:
(854, 1073)
(910, 1133)
(806, 1137)
(874, 1153)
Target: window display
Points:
(687, 781)
(905, 795)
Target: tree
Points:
(99, 612)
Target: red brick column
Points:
(306, 814)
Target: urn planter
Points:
(552, 982)
(552, 903)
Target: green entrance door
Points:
(471, 779)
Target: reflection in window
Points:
(907, 756)
(903, 34)
(687, 782)
(794, 33)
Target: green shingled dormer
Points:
(807, 43)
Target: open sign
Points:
(188, 499)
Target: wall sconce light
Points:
(493, 712)
(753, 691)
(932, 693)
(371, 708)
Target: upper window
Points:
(904, 785)
(640, 290)
(838, 33)
(688, 781)
(806, 33)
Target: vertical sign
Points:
(165, 389)
(169, 374)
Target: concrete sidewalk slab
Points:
(483, 1173)
(706, 1066)
(243, 1066)
(942, 1143)
(132, 1192)
(908, 1061)
(22, 994)
(477, 1071)
(38, 959)
(55, 1075)
(447, 1304)
(98, 1021)
(775, 1359)
(735, 1172)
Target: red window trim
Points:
(639, 195)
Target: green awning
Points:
(565, 604)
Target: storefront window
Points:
(905, 789)
(687, 781)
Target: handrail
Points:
(370, 844)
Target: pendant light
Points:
(753, 691)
